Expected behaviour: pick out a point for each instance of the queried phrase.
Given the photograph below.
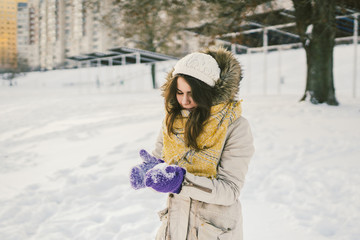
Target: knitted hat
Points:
(227, 86)
(199, 65)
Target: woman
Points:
(203, 150)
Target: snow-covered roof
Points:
(121, 56)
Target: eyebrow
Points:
(182, 91)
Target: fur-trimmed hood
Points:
(227, 86)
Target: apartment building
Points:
(8, 34)
(67, 28)
(17, 35)
(33, 55)
(46, 32)
(23, 31)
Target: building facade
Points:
(47, 32)
(23, 32)
(8, 34)
(68, 28)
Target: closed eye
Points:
(181, 93)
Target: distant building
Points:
(47, 32)
(23, 31)
(67, 28)
(8, 33)
(34, 43)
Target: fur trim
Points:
(227, 87)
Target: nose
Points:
(185, 100)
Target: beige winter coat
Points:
(208, 209)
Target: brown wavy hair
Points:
(202, 95)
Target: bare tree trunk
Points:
(308, 63)
(316, 26)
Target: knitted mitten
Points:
(137, 173)
(165, 178)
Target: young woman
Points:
(203, 151)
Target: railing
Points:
(265, 48)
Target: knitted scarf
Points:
(210, 141)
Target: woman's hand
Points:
(137, 173)
(165, 178)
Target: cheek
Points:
(179, 98)
(191, 99)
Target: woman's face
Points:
(183, 94)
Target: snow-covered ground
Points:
(67, 144)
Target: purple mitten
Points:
(137, 173)
(165, 178)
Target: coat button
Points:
(171, 195)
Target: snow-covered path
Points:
(65, 155)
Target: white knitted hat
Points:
(199, 65)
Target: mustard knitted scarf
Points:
(211, 141)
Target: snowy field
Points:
(67, 143)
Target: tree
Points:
(315, 21)
(151, 25)
(155, 24)
(316, 26)
(223, 16)
(21, 68)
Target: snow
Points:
(160, 173)
(68, 140)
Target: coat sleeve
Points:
(157, 152)
(233, 166)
